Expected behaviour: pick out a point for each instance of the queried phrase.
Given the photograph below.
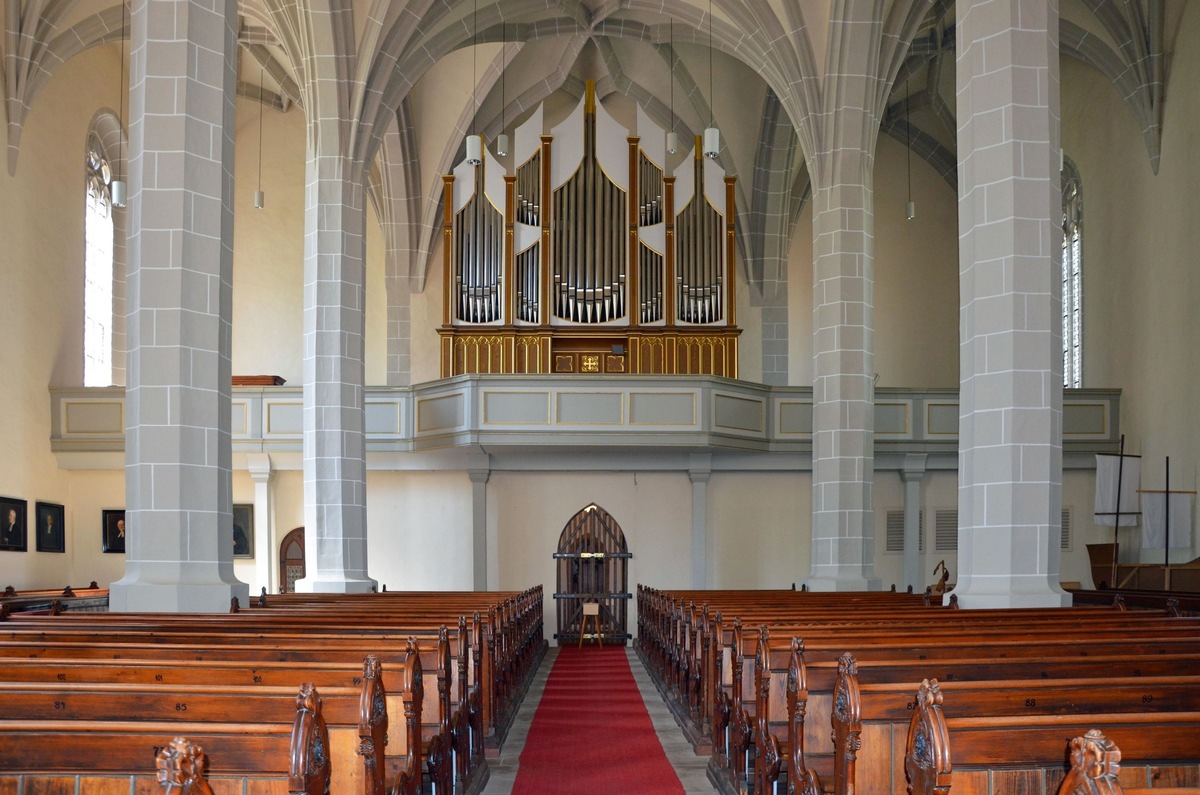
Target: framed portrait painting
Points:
(113, 525)
(13, 520)
(50, 530)
(243, 530)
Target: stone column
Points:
(1010, 421)
(178, 460)
(265, 550)
(843, 534)
(775, 337)
(399, 331)
(479, 537)
(699, 471)
(335, 464)
(913, 474)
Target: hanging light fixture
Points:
(474, 141)
(712, 136)
(502, 138)
(672, 136)
(117, 188)
(259, 196)
(910, 209)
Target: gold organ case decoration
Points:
(588, 257)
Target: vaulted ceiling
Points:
(399, 84)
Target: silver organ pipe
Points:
(590, 241)
(529, 191)
(700, 259)
(650, 280)
(650, 189)
(478, 240)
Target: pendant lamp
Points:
(502, 138)
(712, 136)
(260, 197)
(672, 136)
(117, 188)
(474, 141)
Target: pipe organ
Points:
(588, 256)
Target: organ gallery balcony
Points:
(645, 416)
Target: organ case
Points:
(588, 257)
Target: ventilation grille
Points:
(895, 530)
(945, 530)
(1066, 529)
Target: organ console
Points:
(588, 257)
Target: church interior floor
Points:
(690, 768)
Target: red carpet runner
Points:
(591, 734)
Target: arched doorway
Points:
(291, 560)
(593, 564)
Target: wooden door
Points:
(291, 560)
(593, 566)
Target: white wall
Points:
(41, 279)
(760, 526)
(268, 245)
(1141, 232)
(419, 530)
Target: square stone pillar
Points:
(843, 534)
(178, 459)
(1010, 238)
(335, 460)
(266, 554)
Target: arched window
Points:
(98, 269)
(1072, 277)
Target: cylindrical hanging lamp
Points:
(502, 138)
(117, 187)
(260, 198)
(712, 136)
(474, 149)
(672, 136)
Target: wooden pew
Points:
(958, 642)
(52, 601)
(1151, 682)
(869, 721)
(508, 645)
(445, 728)
(270, 640)
(120, 756)
(988, 755)
(678, 649)
(357, 717)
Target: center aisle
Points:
(591, 733)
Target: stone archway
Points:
(593, 565)
(291, 560)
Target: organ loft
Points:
(587, 256)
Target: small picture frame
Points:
(51, 527)
(243, 530)
(13, 524)
(113, 532)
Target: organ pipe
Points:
(576, 253)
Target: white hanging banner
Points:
(1154, 516)
(1130, 473)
